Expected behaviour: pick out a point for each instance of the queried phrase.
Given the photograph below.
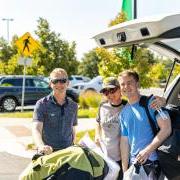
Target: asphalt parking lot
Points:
(11, 166)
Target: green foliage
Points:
(56, 51)
(121, 17)
(89, 65)
(87, 113)
(110, 64)
(157, 73)
(12, 66)
(6, 51)
(89, 99)
(176, 70)
(142, 64)
(115, 61)
(2, 67)
(6, 85)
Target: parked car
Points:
(74, 79)
(35, 88)
(95, 85)
(161, 34)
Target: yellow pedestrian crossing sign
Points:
(26, 44)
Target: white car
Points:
(161, 34)
(95, 84)
(74, 79)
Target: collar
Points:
(123, 102)
(53, 100)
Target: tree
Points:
(89, 65)
(56, 52)
(168, 65)
(110, 64)
(113, 61)
(121, 17)
(6, 51)
(156, 74)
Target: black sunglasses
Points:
(106, 92)
(62, 81)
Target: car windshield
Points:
(98, 78)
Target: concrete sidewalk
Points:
(15, 134)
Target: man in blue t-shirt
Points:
(138, 143)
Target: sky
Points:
(75, 20)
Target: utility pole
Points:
(7, 22)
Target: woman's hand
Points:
(158, 102)
(97, 141)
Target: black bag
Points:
(169, 151)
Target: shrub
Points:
(6, 85)
(87, 113)
(89, 99)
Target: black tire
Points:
(9, 104)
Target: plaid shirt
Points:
(58, 121)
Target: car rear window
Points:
(79, 78)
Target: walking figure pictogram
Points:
(26, 44)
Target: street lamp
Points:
(7, 21)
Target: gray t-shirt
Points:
(58, 121)
(109, 122)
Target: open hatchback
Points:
(161, 34)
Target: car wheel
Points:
(9, 104)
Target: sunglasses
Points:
(62, 81)
(106, 92)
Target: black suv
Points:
(35, 88)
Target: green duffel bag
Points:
(72, 163)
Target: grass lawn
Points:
(82, 113)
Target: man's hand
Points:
(45, 149)
(143, 156)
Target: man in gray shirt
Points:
(55, 116)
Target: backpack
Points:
(72, 163)
(169, 150)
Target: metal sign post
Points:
(26, 46)
(23, 87)
(25, 62)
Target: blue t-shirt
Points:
(135, 125)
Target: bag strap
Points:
(144, 100)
